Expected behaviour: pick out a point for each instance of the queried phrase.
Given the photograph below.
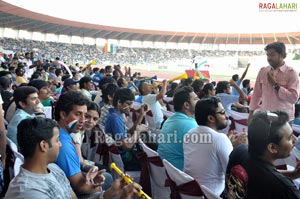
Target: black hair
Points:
(5, 82)
(204, 108)
(120, 82)
(4, 73)
(18, 70)
(246, 82)
(107, 68)
(235, 77)
(92, 106)
(21, 94)
(182, 95)
(96, 69)
(278, 46)
(58, 71)
(109, 90)
(67, 100)
(106, 80)
(187, 82)
(102, 70)
(197, 85)
(262, 131)
(122, 95)
(221, 86)
(35, 75)
(206, 88)
(31, 131)
(84, 80)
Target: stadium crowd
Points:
(63, 125)
(73, 53)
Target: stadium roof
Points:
(19, 18)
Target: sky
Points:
(213, 16)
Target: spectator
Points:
(26, 99)
(238, 80)
(108, 93)
(270, 138)
(116, 125)
(38, 176)
(207, 157)
(172, 89)
(6, 91)
(277, 85)
(152, 100)
(176, 126)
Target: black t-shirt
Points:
(6, 95)
(266, 182)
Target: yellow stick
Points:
(128, 180)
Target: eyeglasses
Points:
(221, 112)
(272, 117)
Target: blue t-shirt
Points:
(97, 78)
(115, 126)
(227, 100)
(12, 130)
(139, 99)
(234, 91)
(170, 146)
(68, 157)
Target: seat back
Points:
(157, 173)
(14, 160)
(19, 158)
(240, 121)
(167, 114)
(114, 156)
(102, 149)
(150, 121)
(182, 185)
(133, 114)
(169, 103)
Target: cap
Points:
(70, 81)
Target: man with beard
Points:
(176, 126)
(206, 151)
(270, 138)
(277, 85)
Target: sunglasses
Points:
(272, 117)
(221, 112)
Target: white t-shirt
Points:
(206, 155)
(155, 107)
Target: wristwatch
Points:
(276, 86)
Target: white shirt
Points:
(207, 162)
(28, 71)
(155, 107)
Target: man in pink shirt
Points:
(277, 85)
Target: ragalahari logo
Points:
(277, 7)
